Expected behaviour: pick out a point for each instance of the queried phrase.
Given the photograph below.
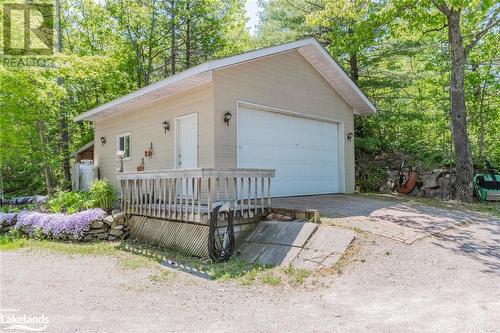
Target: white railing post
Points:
(187, 194)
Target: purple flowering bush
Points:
(59, 226)
(7, 219)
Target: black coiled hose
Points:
(220, 245)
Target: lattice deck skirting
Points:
(190, 238)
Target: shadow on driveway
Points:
(476, 235)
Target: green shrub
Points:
(102, 195)
(68, 202)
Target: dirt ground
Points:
(446, 283)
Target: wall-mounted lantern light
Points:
(149, 152)
(166, 126)
(103, 140)
(120, 154)
(227, 118)
(349, 136)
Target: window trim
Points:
(130, 144)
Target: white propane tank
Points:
(88, 172)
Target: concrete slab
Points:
(265, 231)
(249, 252)
(310, 259)
(295, 233)
(302, 244)
(330, 240)
(331, 260)
(305, 264)
(314, 259)
(278, 255)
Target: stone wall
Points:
(438, 183)
(112, 227)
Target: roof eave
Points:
(364, 105)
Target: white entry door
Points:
(304, 152)
(186, 135)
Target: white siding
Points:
(285, 81)
(145, 127)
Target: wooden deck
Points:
(187, 194)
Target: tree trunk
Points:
(481, 113)
(173, 48)
(63, 123)
(463, 156)
(49, 183)
(353, 64)
(188, 35)
(188, 43)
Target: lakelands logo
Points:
(28, 34)
(13, 319)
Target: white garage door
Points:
(304, 152)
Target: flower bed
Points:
(7, 219)
(58, 226)
(85, 225)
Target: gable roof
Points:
(82, 148)
(196, 76)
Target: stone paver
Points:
(249, 252)
(330, 240)
(278, 255)
(295, 233)
(310, 259)
(303, 244)
(265, 231)
(325, 248)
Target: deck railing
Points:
(187, 194)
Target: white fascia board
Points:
(225, 62)
(344, 75)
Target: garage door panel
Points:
(281, 153)
(304, 152)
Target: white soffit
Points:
(333, 73)
(147, 95)
(202, 74)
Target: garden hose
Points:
(221, 244)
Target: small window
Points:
(123, 144)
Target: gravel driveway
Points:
(449, 282)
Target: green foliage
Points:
(16, 208)
(369, 176)
(11, 240)
(69, 202)
(398, 53)
(38, 234)
(102, 195)
(109, 49)
(297, 276)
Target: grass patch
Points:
(233, 269)
(12, 241)
(135, 262)
(9, 242)
(134, 255)
(163, 277)
(270, 278)
(296, 276)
